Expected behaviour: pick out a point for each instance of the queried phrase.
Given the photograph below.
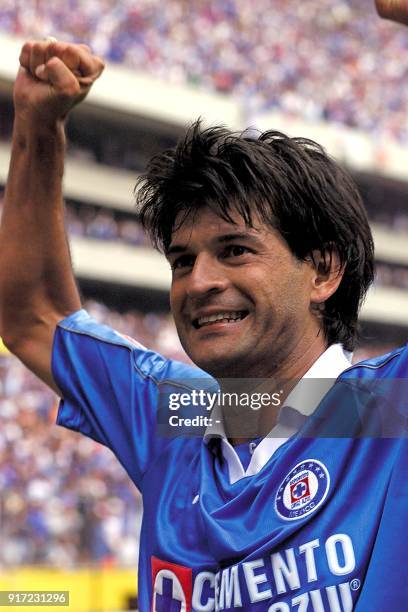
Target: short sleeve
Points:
(110, 387)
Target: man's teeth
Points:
(222, 316)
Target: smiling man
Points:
(271, 256)
(270, 263)
(241, 299)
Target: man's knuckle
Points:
(99, 66)
(53, 62)
(71, 90)
(26, 48)
(38, 46)
(71, 51)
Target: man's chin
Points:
(219, 365)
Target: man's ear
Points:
(327, 275)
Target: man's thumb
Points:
(41, 72)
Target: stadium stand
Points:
(269, 54)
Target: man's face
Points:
(240, 299)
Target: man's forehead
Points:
(212, 224)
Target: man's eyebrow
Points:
(182, 248)
(236, 236)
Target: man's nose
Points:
(207, 276)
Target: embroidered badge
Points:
(303, 490)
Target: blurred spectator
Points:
(316, 59)
(389, 275)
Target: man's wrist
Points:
(28, 129)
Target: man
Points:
(271, 256)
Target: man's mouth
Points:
(222, 317)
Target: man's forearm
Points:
(36, 280)
(37, 286)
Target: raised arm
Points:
(395, 10)
(37, 286)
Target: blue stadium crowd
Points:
(316, 59)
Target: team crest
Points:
(172, 586)
(303, 490)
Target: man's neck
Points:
(242, 421)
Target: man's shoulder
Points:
(148, 363)
(391, 365)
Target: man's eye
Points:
(235, 250)
(182, 262)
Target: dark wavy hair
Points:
(294, 187)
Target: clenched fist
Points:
(396, 10)
(53, 77)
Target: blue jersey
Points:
(320, 527)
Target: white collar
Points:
(328, 366)
(305, 397)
